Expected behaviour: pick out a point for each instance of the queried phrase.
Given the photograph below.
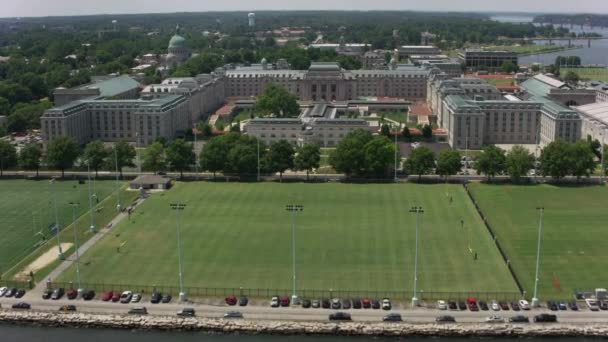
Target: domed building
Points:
(178, 51)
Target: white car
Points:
(3, 291)
(442, 305)
(524, 304)
(495, 305)
(136, 298)
(592, 304)
(495, 319)
(386, 304)
(126, 296)
(274, 302)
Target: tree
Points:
(8, 156)
(595, 146)
(278, 101)
(205, 129)
(5, 106)
(154, 157)
(582, 161)
(308, 158)
(349, 155)
(180, 155)
(385, 130)
(555, 159)
(491, 161)
(236, 128)
(280, 157)
(242, 159)
(427, 132)
(571, 77)
(95, 153)
(61, 153)
(535, 67)
(448, 163)
(420, 161)
(605, 166)
(123, 154)
(508, 67)
(379, 156)
(519, 162)
(406, 134)
(214, 154)
(29, 157)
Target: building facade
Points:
(489, 59)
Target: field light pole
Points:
(258, 159)
(118, 207)
(418, 211)
(179, 207)
(74, 205)
(196, 163)
(603, 167)
(396, 149)
(92, 226)
(54, 193)
(535, 301)
(294, 208)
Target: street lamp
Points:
(179, 207)
(535, 301)
(74, 205)
(396, 149)
(196, 163)
(418, 211)
(54, 194)
(294, 208)
(92, 226)
(118, 207)
(258, 140)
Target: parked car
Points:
(445, 319)
(545, 318)
(472, 304)
(156, 297)
(315, 303)
(11, 292)
(274, 302)
(186, 312)
(551, 305)
(166, 298)
(233, 314)
(335, 303)
(46, 294)
(88, 294)
(392, 317)
(136, 298)
(21, 305)
(3, 291)
(519, 319)
(386, 304)
(356, 303)
(495, 305)
(306, 303)
(483, 305)
(230, 300)
(243, 301)
(284, 301)
(375, 304)
(562, 306)
(126, 297)
(503, 305)
(602, 304)
(71, 294)
(115, 296)
(138, 310)
(339, 316)
(107, 296)
(326, 303)
(515, 306)
(524, 304)
(366, 303)
(442, 305)
(67, 308)
(462, 305)
(57, 293)
(346, 304)
(452, 305)
(592, 304)
(573, 306)
(20, 293)
(495, 319)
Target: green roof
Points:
(457, 101)
(536, 87)
(113, 86)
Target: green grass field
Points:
(27, 209)
(526, 49)
(574, 245)
(595, 74)
(349, 237)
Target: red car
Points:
(106, 296)
(72, 294)
(366, 303)
(116, 296)
(284, 301)
(231, 300)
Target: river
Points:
(16, 333)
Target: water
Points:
(13, 333)
(596, 55)
(513, 18)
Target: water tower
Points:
(251, 17)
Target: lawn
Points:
(499, 81)
(27, 211)
(526, 49)
(349, 237)
(595, 74)
(574, 237)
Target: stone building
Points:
(491, 59)
(115, 87)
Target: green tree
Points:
(280, 157)
(519, 162)
(535, 67)
(508, 67)
(448, 163)
(427, 132)
(154, 157)
(582, 162)
(308, 158)
(571, 77)
(180, 155)
(29, 157)
(349, 155)
(406, 134)
(121, 155)
(379, 156)
(205, 129)
(278, 101)
(421, 161)
(242, 159)
(385, 130)
(214, 155)
(605, 166)
(8, 156)
(5, 106)
(236, 128)
(61, 153)
(95, 153)
(555, 159)
(491, 161)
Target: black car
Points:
(186, 312)
(88, 294)
(572, 305)
(545, 318)
(519, 319)
(339, 316)
(47, 294)
(602, 304)
(392, 317)
(243, 301)
(57, 293)
(483, 305)
(562, 306)
(346, 304)
(306, 303)
(551, 305)
(462, 305)
(325, 303)
(20, 293)
(375, 304)
(166, 298)
(503, 306)
(445, 319)
(515, 306)
(156, 297)
(21, 305)
(11, 292)
(356, 303)
(452, 305)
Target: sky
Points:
(37, 8)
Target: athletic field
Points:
(574, 246)
(26, 211)
(596, 74)
(349, 237)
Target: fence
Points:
(221, 292)
(17, 284)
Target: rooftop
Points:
(597, 111)
(113, 86)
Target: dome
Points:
(177, 41)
